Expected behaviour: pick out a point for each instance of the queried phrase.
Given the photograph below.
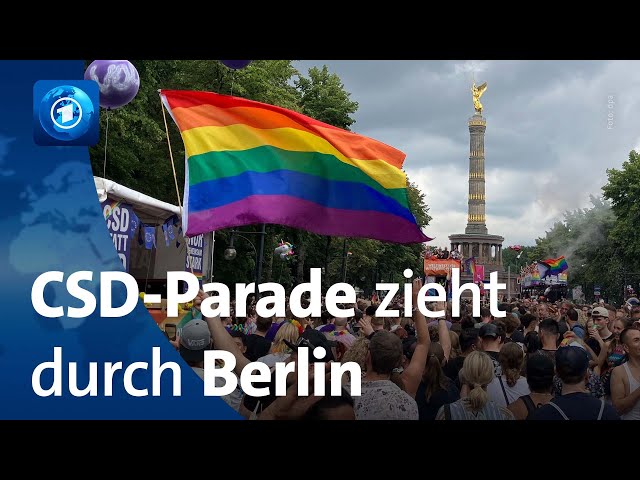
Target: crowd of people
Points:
(541, 361)
(437, 253)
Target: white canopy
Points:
(148, 209)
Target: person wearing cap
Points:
(193, 341)
(599, 335)
(575, 402)
(600, 317)
(491, 339)
(625, 378)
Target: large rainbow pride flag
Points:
(249, 162)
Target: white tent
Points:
(148, 209)
(153, 264)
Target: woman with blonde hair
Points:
(279, 350)
(476, 374)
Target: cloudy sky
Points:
(548, 142)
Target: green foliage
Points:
(583, 237)
(623, 190)
(509, 258)
(324, 98)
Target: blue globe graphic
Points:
(66, 113)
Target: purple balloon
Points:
(236, 64)
(118, 81)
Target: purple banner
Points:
(118, 217)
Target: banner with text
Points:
(439, 268)
(195, 255)
(118, 217)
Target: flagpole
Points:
(263, 231)
(344, 260)
(175, 178)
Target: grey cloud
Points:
(547, 141)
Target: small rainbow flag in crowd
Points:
(556, 265)
(470, 264)
(250, 162)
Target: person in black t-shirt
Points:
(512, 323)
(468, 343)
(576, 403)
(257, 345)
(540, 371)
(435, 389)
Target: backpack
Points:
(531, 407)
(567, 418)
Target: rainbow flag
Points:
(249, 162)
(556, 265)
(470, 263)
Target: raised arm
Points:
(221, 338)
(445, 338)
(412, 375)
(604, 350)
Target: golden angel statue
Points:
(477, 93)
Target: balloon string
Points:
(175, 177)
(106, 140)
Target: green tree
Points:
(510, 258)
(325, 98)
(583, 238)
(623, 190)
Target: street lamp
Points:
(231, 253)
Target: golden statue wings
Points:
(477, 93)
